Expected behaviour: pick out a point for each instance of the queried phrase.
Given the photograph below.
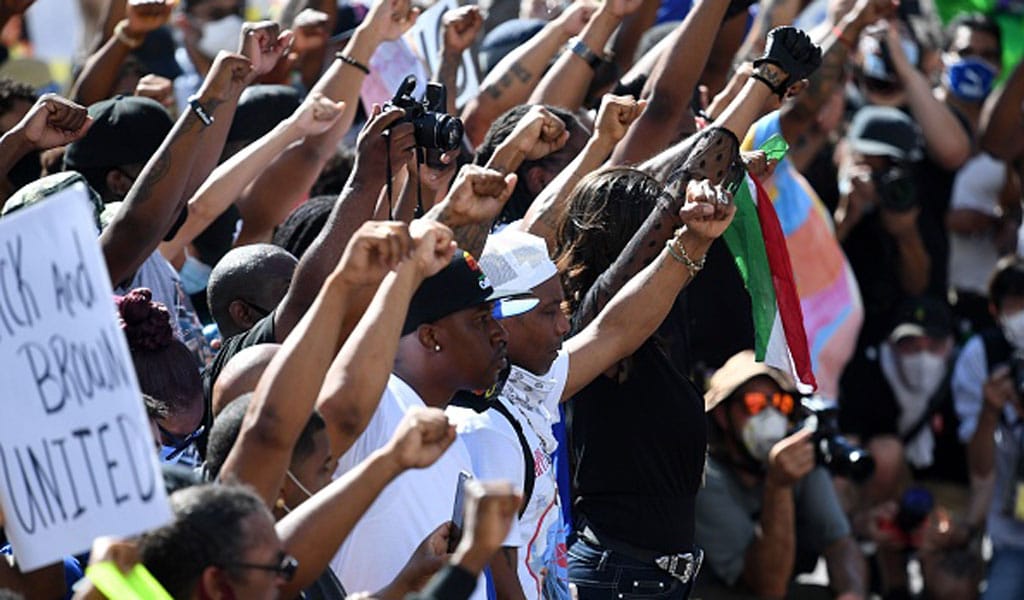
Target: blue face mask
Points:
(194, 275)
(970, 79)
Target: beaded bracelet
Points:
(351, 61)
(678, 252)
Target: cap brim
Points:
(512, 304)
(876, 148)
(907, 330)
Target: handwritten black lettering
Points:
(111, 465)
(135, 446)
(73, 287)
(19, 307)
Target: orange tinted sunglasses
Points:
(758, 401)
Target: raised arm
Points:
(779, 73)
(800, 113)
(315, 530)
(715, 151)
(229, 179)
(360, 371)
(460, 26)
(614, 118)
(101, 71)
(263, 43)
(672, 83)
(288, 389)
(639, 308)
(1001, 123)
(475, 200)
(51, 122)
(355, 206)
(944, 136)
(566, 82)
(512, 80)
(157, 196)
(343, 80)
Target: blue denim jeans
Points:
(1005, 574)
(601, 574)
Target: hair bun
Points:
(146, 324)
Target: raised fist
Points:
(53, 121)
(791, 50)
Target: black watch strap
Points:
(204, 116)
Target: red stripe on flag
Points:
(785, 287)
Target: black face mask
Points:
(26, 170)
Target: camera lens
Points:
(449, 132)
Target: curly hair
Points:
(166, 369)
(605, 209)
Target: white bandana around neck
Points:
(913, 404)
(526, 392)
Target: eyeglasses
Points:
(180, 444)
(758, 401)
(285, 568)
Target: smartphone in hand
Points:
(458, 512)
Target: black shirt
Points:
(260, 333)
(639, 448)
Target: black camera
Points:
(831, 450)
(436, 131)
(1017, 370)
(896, 189)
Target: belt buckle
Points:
(683, 567)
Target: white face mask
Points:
(222, 34)
(923, 370)
(763, 431)
(1013, 329)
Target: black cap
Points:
(922, 316)
(260, 109)
(126, 130)
(884, 131)
(461, 285)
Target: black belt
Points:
(683, 566)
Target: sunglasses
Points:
(285, 568)
(180, 444)
(758, 401)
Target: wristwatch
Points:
(581, 50)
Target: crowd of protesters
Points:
(494, 343)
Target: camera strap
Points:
(389, 186)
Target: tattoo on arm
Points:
(505, 81)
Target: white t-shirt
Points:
(972, 258)
(408, 509)
(497, 454)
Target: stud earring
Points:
(280, 504)
(437, 347)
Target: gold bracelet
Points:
(122, 36)
(677, 251)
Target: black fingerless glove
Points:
(791, 50)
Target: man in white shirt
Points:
(451, 341)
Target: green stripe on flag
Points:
(744, 239)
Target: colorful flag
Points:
(758, 246)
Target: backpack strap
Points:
(529, 466)
(997, 349)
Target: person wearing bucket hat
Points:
(451, 339)
(766, 512)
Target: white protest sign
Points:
(77, 456)
(427, 35)
(389, 66)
